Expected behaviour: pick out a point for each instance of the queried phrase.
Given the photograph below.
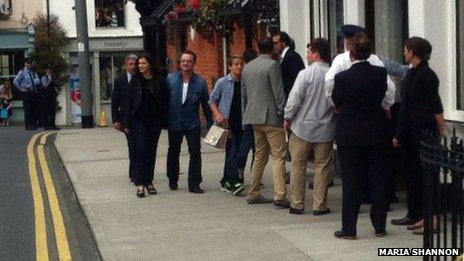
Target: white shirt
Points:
(308, 108)
(184, 91)
(284, 52)
(129, 77)
(343, 62)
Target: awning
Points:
(163, 8)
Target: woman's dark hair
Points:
(249, 55)
(151, 60)
(419, 47)
(322, 47)
(361, 46)
(266, 46)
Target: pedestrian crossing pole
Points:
(84, 63)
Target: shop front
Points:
(15, 45)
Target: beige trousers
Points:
(269, 139)
(299, 150)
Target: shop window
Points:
(460, 54)
(10, 64)
(111, 67)
(109, 13)
(326, 20)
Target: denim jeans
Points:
(237, 149)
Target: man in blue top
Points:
(28, 82)
(186, 91)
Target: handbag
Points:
(4, 114)
(217, 137)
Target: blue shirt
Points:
(27, 80)
(222, 94)
(185, 116)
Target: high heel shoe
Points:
(151, 190)
(140, 193)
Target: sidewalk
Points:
(177, 225)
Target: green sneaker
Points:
(238, 189)
(226, 187)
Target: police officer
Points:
(49, 93)
(28, 82)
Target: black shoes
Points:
(151, 190)
(342, 235)
(296, 211)
(173, 186)
(51, 128)
(403, 221)
(320, 213)
(283, 203)
(196, 190)
(381, 233)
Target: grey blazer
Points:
(263, 96)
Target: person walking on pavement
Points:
(421, 110)
(226, 105)
(49, 93)
(309, 117)
(120, 92)
(359, 95)
(28, 82)
(144, 117)
(263, 105)
(187, 90)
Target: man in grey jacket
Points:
(310, 118)
(263, 105)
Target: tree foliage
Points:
(48, 43)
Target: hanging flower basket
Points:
(207, 21)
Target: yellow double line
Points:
(39, 210)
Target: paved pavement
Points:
(177, 225)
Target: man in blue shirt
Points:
(28, 83)
(187, 91)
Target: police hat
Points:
(349, 30)
(28, 60)
(49, 67)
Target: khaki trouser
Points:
(299, 150)
(269, 139)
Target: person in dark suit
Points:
(290, 61)
(145, 115)
(49, 92)
(361, 137)
(421, 110)
(120, 92)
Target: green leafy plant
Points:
(207, 21)
(49, 40)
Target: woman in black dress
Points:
(146, 116)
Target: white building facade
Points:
(114, 32)
(389, 23)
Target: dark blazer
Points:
(291, 65)
(134, 99)
(420, 101)
(120, 91)
(358, 94)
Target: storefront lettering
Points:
(116, 44)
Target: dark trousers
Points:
(130, 146)
(414, 174)
(48, 109)
(31, 107)
(194, 148)
(237, 149)
(353, 161)
(145, 142)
